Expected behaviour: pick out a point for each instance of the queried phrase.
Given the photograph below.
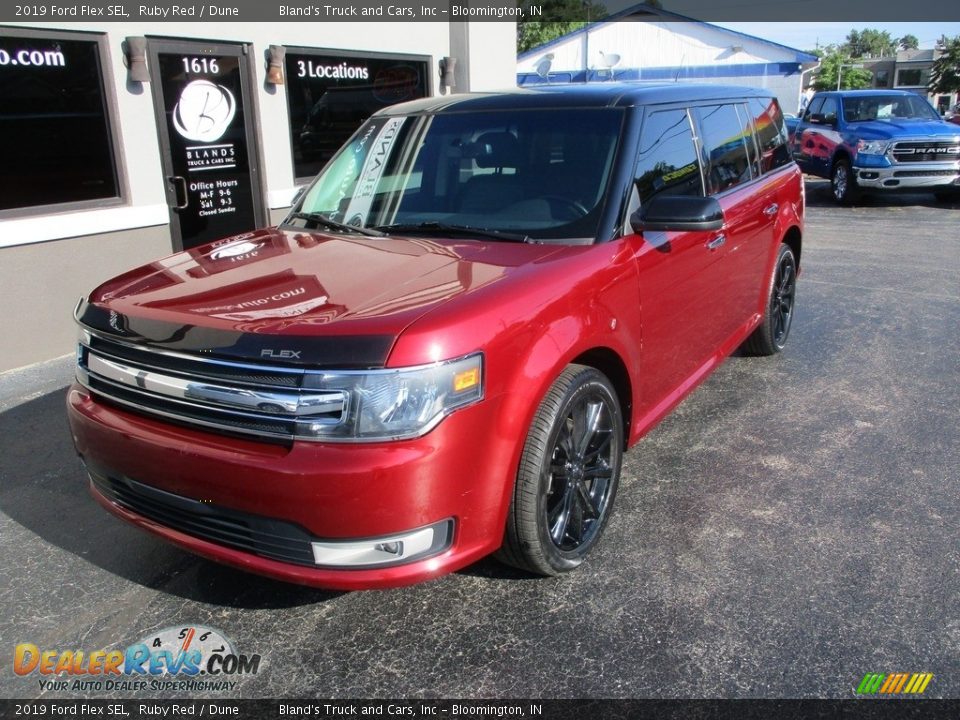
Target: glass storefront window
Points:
(55, 133)
(331, 93)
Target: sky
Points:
(805, 36)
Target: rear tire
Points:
(568, 476)
(770, 337)
(843, 184)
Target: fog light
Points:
(394, 548)
(390, 550)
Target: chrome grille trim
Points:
(921, 150)
(297, 403)
(208, 393)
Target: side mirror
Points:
(678, 212)
(296, 198)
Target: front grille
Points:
(236, 398)
(266, 537)
(231, 372)
(926, 151)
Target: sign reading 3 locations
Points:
(330, 94)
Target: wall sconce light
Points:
(447, 79)
(135, 52)
(275, 56)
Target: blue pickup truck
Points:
(882, 140)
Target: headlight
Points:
(872, 147)
(397, 403)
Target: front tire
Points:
(770, 337)
(568, 475)
(843, 184)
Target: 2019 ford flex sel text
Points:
(445, 348)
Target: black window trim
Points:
(299, 180)
(108, 86)
(694, 132)
(748, 126)
(704, 161)
(698, 142)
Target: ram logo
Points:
(281, 354)
(933, 150)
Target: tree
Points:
(830, 67)
(909, 42)
(869, 42)
(559, 17)
(945, 73)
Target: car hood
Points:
(903, 129)
(297, 297)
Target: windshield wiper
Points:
(467, 230)
(325, 222)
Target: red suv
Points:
(445, 348)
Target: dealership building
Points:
(125, 141)
(644, 43)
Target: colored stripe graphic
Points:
(870, 683)
(894, 683)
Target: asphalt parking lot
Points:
(789, 528)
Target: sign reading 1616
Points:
(197, 65)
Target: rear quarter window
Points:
(771, 133)
(724, 139)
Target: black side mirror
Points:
(678, 212)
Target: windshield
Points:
(887, 107)
(541, 174)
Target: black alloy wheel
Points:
(770, 337)
(568, 475)
(579, 481)
(782, 298)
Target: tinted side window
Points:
(829, 110)
(814, 108)
(724, 147)
(668, 156)
(771, 133)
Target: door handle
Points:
(178, 181)
(717, 242)
(771, 210)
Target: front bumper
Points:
(460, 473)
(933, 176)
